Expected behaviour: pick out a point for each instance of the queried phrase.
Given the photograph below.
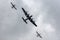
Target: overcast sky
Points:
(46, 14)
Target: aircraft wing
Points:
(40, 36)
(15, 8)
(24, 11)
(11, 3)
(33, 22)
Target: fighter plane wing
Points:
(11, 3)
(39, 36)
(15, 8)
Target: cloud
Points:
(33, 6)
(40, 18)
(49, 28)
(41, 12)
(28, 2)
(45, 15)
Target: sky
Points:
(45, 13)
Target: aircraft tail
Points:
(24, 20)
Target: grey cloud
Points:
(12, 26)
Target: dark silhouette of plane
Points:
(28, 18)
(38, 35)
(13, 6)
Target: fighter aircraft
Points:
(28, 17)
(38, 35)
(13, 6)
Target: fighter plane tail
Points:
(24, 20)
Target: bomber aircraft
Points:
(28, 18)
